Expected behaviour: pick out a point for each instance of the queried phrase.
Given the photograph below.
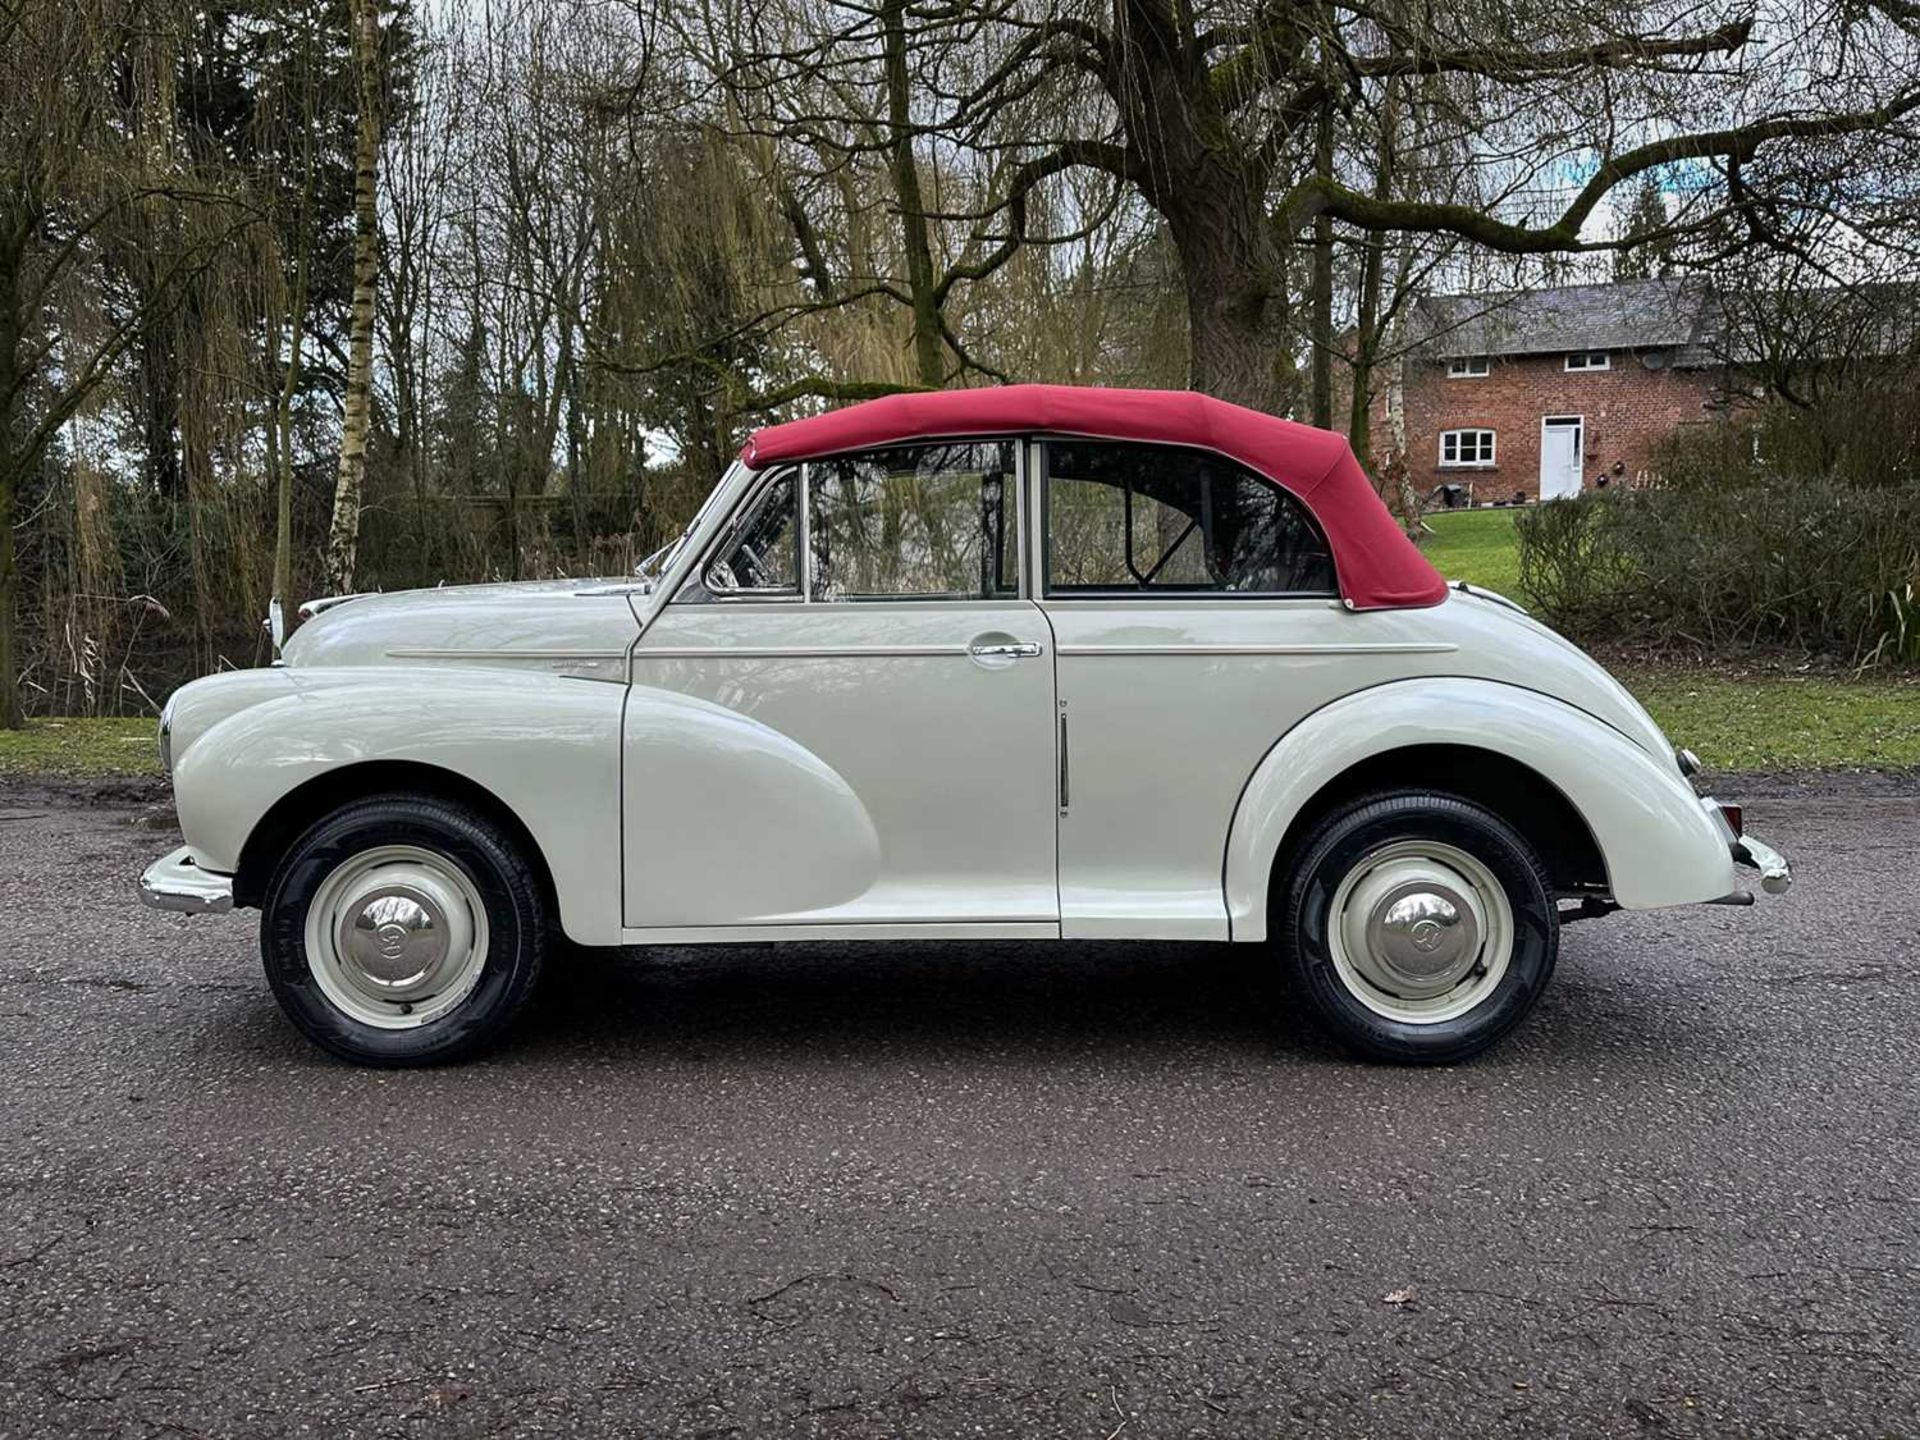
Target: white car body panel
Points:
(1659, 845)
(550, 627)
(1173, 706)
(547, 748)
(859, 766)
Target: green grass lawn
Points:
(1477, 546)
(1773, 721)
(80, 748)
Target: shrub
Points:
(1572, 565)
(1815, 565)
(1867, 436)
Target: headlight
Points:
(166, 736)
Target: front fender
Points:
(1659, 845)
(548, 748)
(732, 816)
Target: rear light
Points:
(1732, 812)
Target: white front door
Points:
(889, 756)
(1561, 454)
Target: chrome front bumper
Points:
(174, 882)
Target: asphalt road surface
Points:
(1104, 1191)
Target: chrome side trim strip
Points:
(1388, 647)
(835, 652)
(506, 654)
(794, 652)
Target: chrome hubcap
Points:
(397, 941)
(1420, 931)
(396, 936)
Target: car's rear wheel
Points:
(1419, 927)
(403, 930)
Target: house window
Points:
(1468, 367)
(1588, 360)
(1466, 447)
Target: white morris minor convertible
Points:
(1031, 663)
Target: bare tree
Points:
(1214, 115)
(344, 538)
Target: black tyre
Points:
(403, 930)
(1419, 927)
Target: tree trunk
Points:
(399, 322)
(157, 54)
(1366, 337)
(1213, 196)
(343, 541)
(160, 380)
(281, 441)
(928, 362)
(579, 490)
(1366, 346)
(15, 227)
(1236, 296)
(1397, 466)
(11, 717)
(1320, 339)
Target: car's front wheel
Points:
(403, 930)
(1419, 927)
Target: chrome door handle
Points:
(1004, 649)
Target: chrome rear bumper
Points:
(174, 882)
(1775, 874)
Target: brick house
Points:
(1540, 393)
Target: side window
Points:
(762, 555)
(918, 522)
(1144, 518)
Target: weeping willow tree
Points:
(105, 228)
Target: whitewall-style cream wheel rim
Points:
(396, 937)
(1420, 932)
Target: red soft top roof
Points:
(1379, 568)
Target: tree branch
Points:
(1095, 154)
(1321, 196)
(817, 387)
(1505, 64)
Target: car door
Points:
(1196, 619)
(879, 744)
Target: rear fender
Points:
(1659, 846)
